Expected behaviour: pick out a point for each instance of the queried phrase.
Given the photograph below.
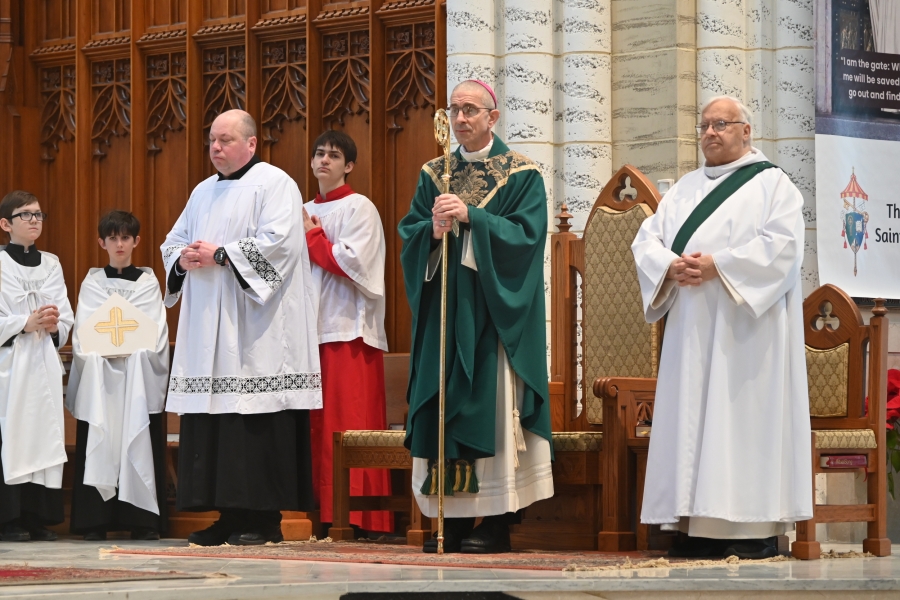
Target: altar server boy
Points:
(347, 251)
(35, 319)
(118, 402)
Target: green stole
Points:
(714, 200)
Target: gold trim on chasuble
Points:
(476, 186)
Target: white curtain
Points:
(886, 25)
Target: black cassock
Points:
(89, 511)
(259, 462)
(29, 499)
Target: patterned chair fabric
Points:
(618, 342)
(845, 439)
(577, 441)
(386, 438)
(828, 371)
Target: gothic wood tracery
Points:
(347, 84)
(58, 110)
(111, 83)
(166, 96)
(284, 85)
(410, 70)
(225, 82)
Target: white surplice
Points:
(251, 350)
(520, 472)
(730, 451)
(31, 373)
(355, 305)
(116, 396)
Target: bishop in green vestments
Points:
(497, 436)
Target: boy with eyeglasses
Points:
(118, 402)
(35, 320)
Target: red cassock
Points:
(352, 398)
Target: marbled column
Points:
(549, 63)
(653, 84)
(761, 51)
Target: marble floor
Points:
(851, 579)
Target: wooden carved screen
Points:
(109, 104)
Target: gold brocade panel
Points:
(617, 339)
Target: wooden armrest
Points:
(608, 387)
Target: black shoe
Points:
(699, 547)
(97, 535)
(143, 534)
(214, 535)
(14, 532)
(455, 530)
(491, 537)
(39, 533)
(256, 538)
(753, 549)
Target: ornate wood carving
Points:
(111, 85)
(58, 108)
(166, 96)
(392, 5)
(343, 13)
(45, 51)
(410, 70)
(108, 42)
(212, 30)
(224, 82)
(162, 35)
(279, 23)
(346, 67)
(284, 84)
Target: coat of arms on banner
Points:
(854, 217)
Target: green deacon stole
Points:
(714, 200)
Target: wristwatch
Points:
(220, 257)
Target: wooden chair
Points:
(619, 352)
(841, 375)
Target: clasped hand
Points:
(46, 318)
(199, 254)
(310, 222)
(446, 208)
(692, 269)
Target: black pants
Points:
(91, 513)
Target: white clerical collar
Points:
(478, 155)
(753, 156)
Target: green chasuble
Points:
(503, 299)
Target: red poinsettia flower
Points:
(893, 394)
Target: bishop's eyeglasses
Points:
(467, 110)
(27, 216)
(718, 126)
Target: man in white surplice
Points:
(246, 366)
(729, 459)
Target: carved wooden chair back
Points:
(837, 340)
(615, 338)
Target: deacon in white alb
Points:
(246, 366)
(35, 319)
(119, 401)
(729, 460)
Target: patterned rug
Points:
(395, 554)
(26, 575)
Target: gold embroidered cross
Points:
(116, 326)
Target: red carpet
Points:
(25, 575)
(394, 554)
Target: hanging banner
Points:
(858, 146)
